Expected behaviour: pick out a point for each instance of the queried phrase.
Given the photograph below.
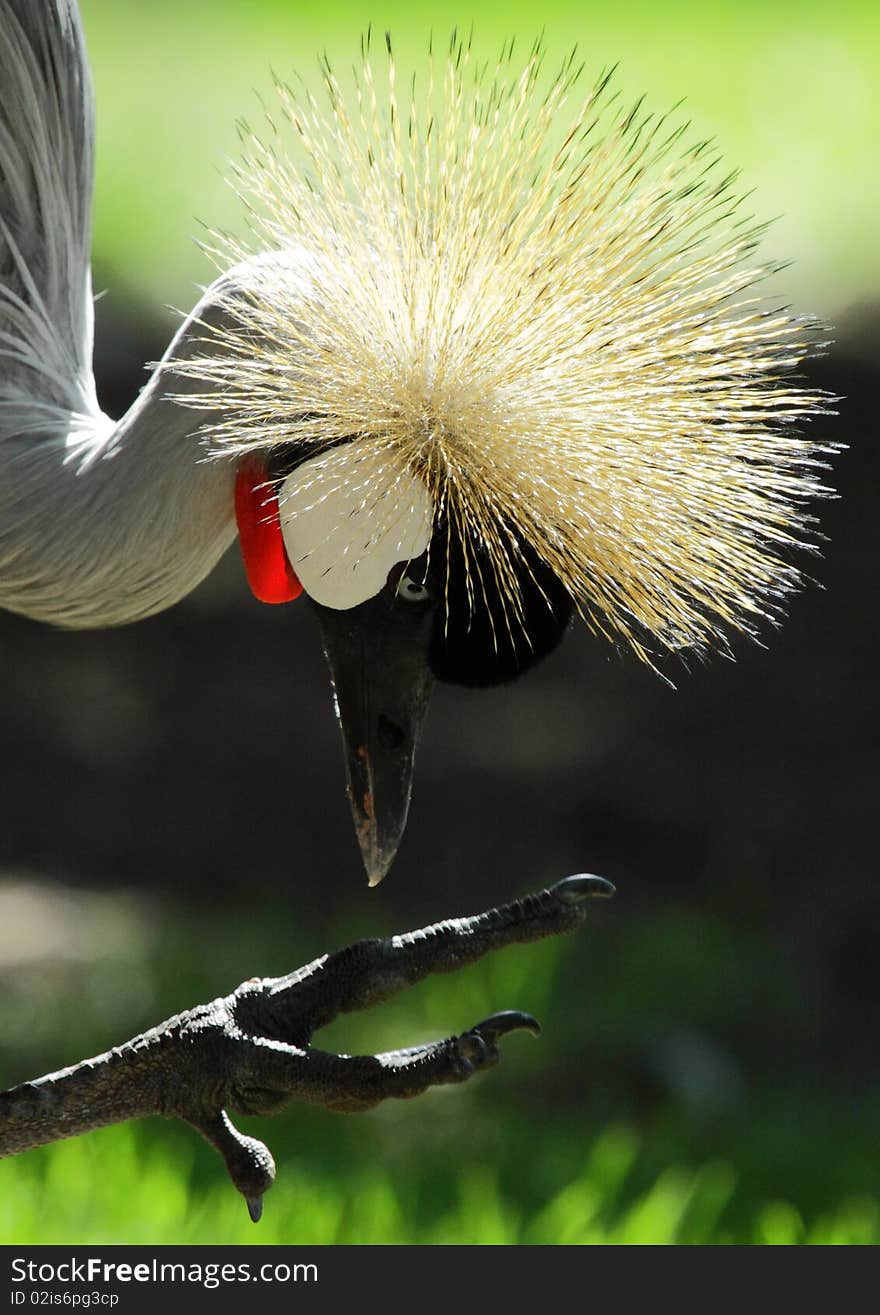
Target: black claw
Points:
(508, 1020)
(572, 890)
(255, 1208)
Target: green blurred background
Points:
(791, 91)
(173, 818)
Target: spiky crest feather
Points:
(543, 308)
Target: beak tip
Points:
(377, 865)
(376, 851)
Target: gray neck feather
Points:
(99, 523)
(102, 524)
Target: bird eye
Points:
(412, 591)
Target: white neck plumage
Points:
(103, 523)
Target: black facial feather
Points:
(471, 641)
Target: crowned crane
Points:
(493, 356)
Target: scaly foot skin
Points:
(251, 1051)
(358, 977)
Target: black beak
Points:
(378, 658)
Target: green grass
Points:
(140, 1185)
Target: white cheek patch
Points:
(347, 517)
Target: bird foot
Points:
(356, 978)
(251, 1052)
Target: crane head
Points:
(393, 595)
(384, 655)
(497, 356)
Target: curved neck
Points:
(101, 524)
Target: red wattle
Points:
(270, 575)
